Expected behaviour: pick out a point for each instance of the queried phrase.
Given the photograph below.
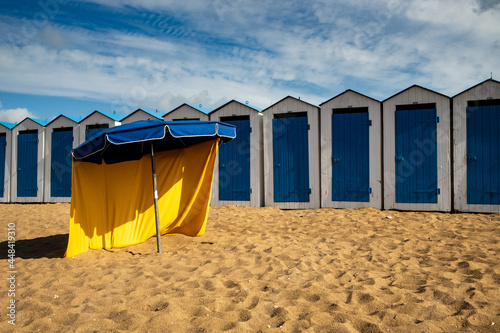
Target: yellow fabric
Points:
(112, 205)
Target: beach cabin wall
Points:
(61, 136)
(27, 171)
(187, 112)
(140, 114)
(417, 154)
(96, 122)
(351, 151)
(291, 155)
(476, 144)
(239, 166)
(5, 160)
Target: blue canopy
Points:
(126, 142)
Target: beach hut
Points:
(187, 112)
(291, 155)
(61, 136)
(416, 145)
(476, 145)
(5, 160)
(96, 122)
(238, 175)
(28, 161)
(351, 152)
(141, 114)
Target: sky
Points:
(74, 57)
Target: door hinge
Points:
(369, 190)
(250, 190)
(250, 130)
(308, 127)
(438, 191)
(309, 191)
(437, 120)
(369, 122)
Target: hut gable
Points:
(5, 160)
(476, 148)
(416, 141)
(61, 136)
(291, 154)
(187, 112)
(141, 114)
(238, 173)
(351, 155)
(27, 171)
(95, 122)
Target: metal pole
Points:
(157, 217)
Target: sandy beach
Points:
(261, 270)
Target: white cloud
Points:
(255, 51)
(14, 115)
(53, 38)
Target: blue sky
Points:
(73, 57)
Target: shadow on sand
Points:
(42, 247)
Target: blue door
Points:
(27, 159)
(3, 148)
(350, 156)
(60, 162)
(291, 159)
(483, 153)
(416, 156)
(92, 130)
(234, 163)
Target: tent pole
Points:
(157, 217)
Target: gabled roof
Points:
(40, 122)
(297, 99)
(235, 101)
(345, 92)
(495, 81)
(7, 125)
(197, 108)
(152, 114)
(112, 116)
(62, 115)
(415, 86)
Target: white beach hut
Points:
(141, 114)
(351, 152)
(476, 144)
(61, 136)
(291, 155)
(416, 145)
(5, 160)
(27, 172)
(96, 122)
(238, 173)
(187, 112)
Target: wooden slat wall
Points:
(351, 98)
(94, 119)
(256, 163)
(7, 168)
(185, 111)
(59, 122)
(416, 94)
(27, 124)
(140, 115)
(294, 105)
(487, 90)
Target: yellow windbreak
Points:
(112, 205)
